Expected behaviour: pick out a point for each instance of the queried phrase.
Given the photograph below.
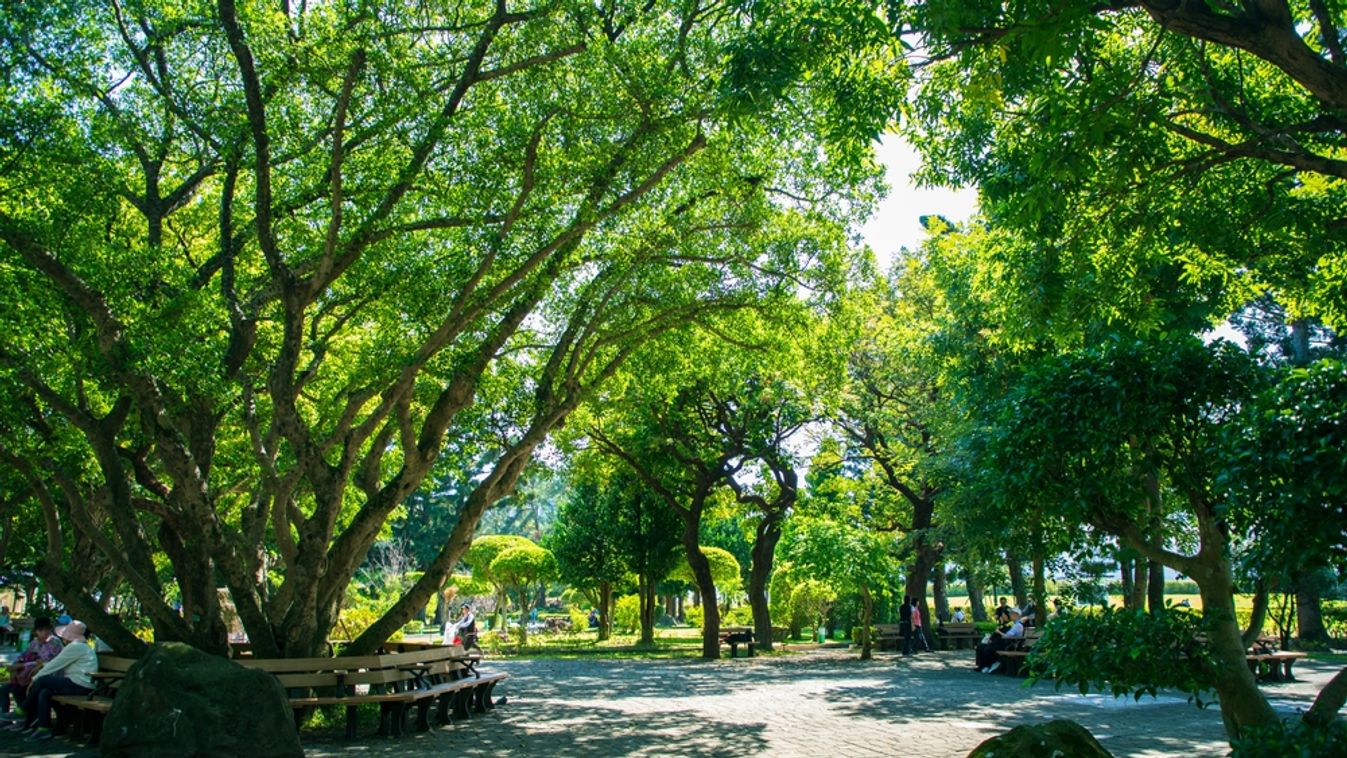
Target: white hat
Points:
(72, 632)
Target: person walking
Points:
(918, 634)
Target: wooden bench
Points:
(1268, 663)
(82, 715)
(957, 633)
(734, 636)
(440, 675)
(888, 636)
(1012, 658)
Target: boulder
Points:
(1055, 739)
(179, 701)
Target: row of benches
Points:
(1265, 661)
(442, 676)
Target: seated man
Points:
(986, 659)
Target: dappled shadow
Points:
(567, 731)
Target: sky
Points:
(897, 222)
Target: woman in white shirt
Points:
(69, 673)
(462, 625)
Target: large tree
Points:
(260, 261)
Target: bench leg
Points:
(352, 722)
(95, 729)
(444, 703)
(461, 702)
(490, 699)
(423, 715)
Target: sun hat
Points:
(1014, 611)
(72, 632)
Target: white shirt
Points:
(958, 616)
(452, 628)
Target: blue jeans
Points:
(37, 705)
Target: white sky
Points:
(896, 223)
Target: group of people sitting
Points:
(58, 661)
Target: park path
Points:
(817, 703)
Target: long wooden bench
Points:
(440, 675)
(956, 633)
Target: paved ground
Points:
(809, 704)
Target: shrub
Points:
(627, 613)
(740, 615)
(1126, 652)
(694, 615)
(1291, 739)
(579, 619)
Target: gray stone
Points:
(1055, 739)
(179, 701)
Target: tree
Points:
(1196, 143)
(1085, 437)
(526, 569)
(587, 542)
(725, 572)
(271, 259)
(648, 542)
(481, 557)
(846, 557)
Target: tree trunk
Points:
(1140, 584)
(645, 592)
(941, 591)
(759, 574)
(1040, 597)
(1017, 586)
(1125, 579)
(1242, 704)
(976, 604)
(867, 618)
(1155, 592)
(1311, 627)
(706, 587)
(919, 576)
(605, 611)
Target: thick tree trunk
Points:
(977, 605)
(1017, 586)
(759, 574)
(1242, 704)
(938, 585)
(1155, 586)
(1311, 621)
(706, 587)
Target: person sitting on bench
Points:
(986, 659)
(70, 673)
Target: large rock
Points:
(179, 701)
(1055, 739)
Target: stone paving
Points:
(818, 703)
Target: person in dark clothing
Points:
(905, 623)
(1002, 612)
